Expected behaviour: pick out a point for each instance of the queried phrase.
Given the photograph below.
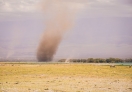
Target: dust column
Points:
(59, 19)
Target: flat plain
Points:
(64, 77)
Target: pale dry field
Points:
(39, 77)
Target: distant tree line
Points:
(97, 60)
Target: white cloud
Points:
(19, 9)
(127, 2)
(108, 8)
(31, 5)
(87, 8)
(18, 5)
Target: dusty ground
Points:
(64, 78)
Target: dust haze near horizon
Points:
(102, 29)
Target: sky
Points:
(102, 29)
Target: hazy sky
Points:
(102, 29)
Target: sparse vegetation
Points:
(98, 60)
(63, 77)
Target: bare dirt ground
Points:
(64, 78)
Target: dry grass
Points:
(64, 78)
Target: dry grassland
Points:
(38, 77)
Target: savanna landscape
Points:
(64, 77)
(65, 45)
